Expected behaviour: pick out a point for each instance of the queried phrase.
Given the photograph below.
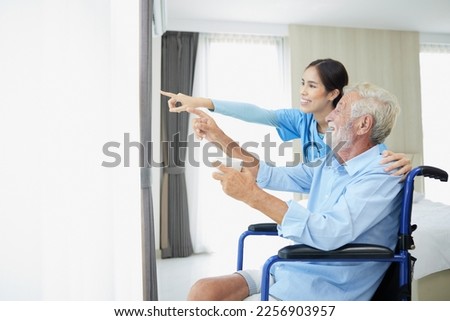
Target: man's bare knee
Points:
(229, 287)
(204, 290)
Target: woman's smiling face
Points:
(313, 95)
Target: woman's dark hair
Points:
(333, 75)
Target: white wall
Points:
(236, 27)
(69, 227)
(387, 58)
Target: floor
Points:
(177, 275)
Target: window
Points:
(435, 81)
(238, 68)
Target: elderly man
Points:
(352, 200)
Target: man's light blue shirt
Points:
(357, 202)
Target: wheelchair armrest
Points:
(267, 229)
(263, 227)
(349, 251)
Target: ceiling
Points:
(426, 16)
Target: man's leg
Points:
(221, 288)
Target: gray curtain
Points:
(179, 50)
(150, 288)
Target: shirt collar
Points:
(361, 161)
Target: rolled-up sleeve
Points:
(294, 221)
(263, 176)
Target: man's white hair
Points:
(380, 104)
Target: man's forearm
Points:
(267, 204)
(232, 149)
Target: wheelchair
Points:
(397, 281)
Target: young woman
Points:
(322, 87)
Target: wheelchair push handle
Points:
(427, 171)
(434, 172)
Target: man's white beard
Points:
(344, 135)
